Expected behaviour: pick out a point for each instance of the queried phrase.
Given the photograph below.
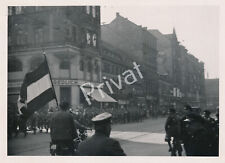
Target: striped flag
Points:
(36, 91)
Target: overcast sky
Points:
(197, 27)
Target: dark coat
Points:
(172, 126)
(62, 126)
(194, 135)
(100, 145)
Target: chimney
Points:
(117, 14)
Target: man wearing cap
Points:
(172, 128)
(100, 144)
(193, 133)
(212, 138)
(63, 130)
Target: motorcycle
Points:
(70, 149)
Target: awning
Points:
(98, 97)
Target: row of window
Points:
(21, 9)
(89, 66)
(110, 54)
(15, 65)
(90, 10)
(21, 37)
(112, 69)
(91, 39)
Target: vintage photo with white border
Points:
(115, 81)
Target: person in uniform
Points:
(216, 146)
(63, 130)
(172, 128)
(34, 121)
(22, 122)
(207, 116)
(211, 127)
(100, 144)
(194, 133)
(49, 118)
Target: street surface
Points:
(137, 139)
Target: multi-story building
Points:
(138, 43)
(165, 70)
(114, 64)
(70, 37)
(181, 74)
(193, 81)
(212, 93)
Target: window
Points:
(10, 10)
(88, 37)
(117, 70)
(21, 37)
(89, 66)
(81, 65)
(96, 67)
(65, 64)
(93, 11)
(18, 10)
(88, 9)
(94, 40)
(35, 62)
(15, 65)
(110, 69)
(104, 67)
(65, 94)
(74, 33)
(39, 35)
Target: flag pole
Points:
(45, 58)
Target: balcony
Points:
(16, 48)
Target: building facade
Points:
(212, 93)
(193, 82)
(140, 45)
(70, 37)
(181, 74)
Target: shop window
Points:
(65, 94)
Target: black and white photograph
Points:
(113, 80)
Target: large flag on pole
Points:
(37, 90)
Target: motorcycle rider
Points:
(63, 130)
(100, 144)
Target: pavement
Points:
(144, 138)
